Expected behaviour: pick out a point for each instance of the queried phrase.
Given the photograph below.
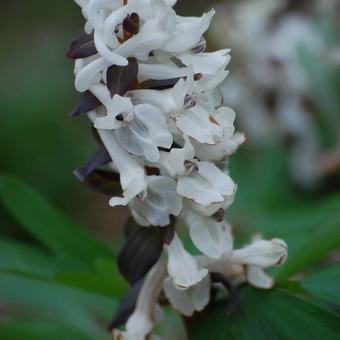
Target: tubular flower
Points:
(151, 94)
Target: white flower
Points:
(171, 100)
(260, 255)
(132, 174)
(141, 322)
(206, 63)
(212, 238)
(178, 161)
(182, 267)
(188, 301)
(221, 150)
(187, 33)
(158, 203)
(208, 189)
(141, 129)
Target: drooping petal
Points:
(188, 301)
(212, 238)
(258, 278)
(162, 201)
(132, 174)
(142, 321)
(182, 267)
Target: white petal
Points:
(132, 175)
(89, 74)
(258, 278)
(199, 125)
(95, 11)
(208, 186)
(148, 131)
(115, 106)
(173, 162)
(188, 33)
(160, 71)
(167, 101)
(110, 55)
(151, 37)
(212, 238)
(141, 322)
(261, 253)
(188, 301)
(162, 201)
(221, 150)
(182, 267)
(206, 63)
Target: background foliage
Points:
(57, 280)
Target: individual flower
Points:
(260, 255)
(188, 301)
(140, 129)
(182, 267)
(212, 236)
(140, 324)
(158, 203)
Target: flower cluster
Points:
(151, 93)
(269, 87)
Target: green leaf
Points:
(324, 284)
(40, 330)
(311, 251)
(266, 315)
(105, 280)
(23, 258)
(77, 308)
(65, 239)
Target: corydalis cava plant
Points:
(151, 93)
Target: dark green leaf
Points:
(82, 310)
(26, 259)
(324, 284)
(31, 329)
(65, 239)
(266, 315)
(311, 250)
